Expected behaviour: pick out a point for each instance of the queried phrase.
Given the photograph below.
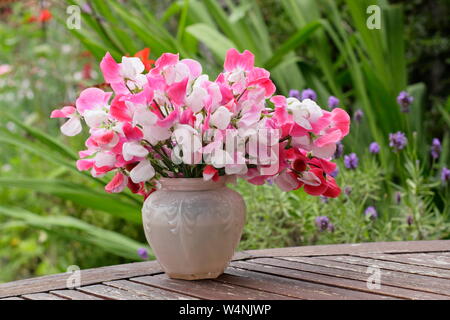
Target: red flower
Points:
(45, 15)
(144, 56)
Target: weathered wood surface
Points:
(408, 270)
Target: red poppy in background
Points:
(44, 16)
(144, 55)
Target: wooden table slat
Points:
(419, 259)
(42, 296)
(147, 291)
(208, 289)
(311, 277)
(395, 266)
(290, 287)
(74, 295)
(422, 287)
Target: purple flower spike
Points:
(409, 220)
(374, 148)
(339, 150)
(397, 140)
(331, 227)
(351, 161)
(435, 148)
(333, 102)
(358, 115)
(398, 197)
(348, 190)
(322, 223)
(294, 94)
(309, 94)
(142, 252)
(445, 175)
(371, 212)
(405, 101)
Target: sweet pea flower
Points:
(158, 119)
(322, 223)
(371, 213)
(293, 93)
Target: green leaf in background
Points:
(75, 229)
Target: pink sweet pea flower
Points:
(72, 127)
(210, 173)
(117, 184)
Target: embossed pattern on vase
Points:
(194, 233)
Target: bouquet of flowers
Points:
(172, 121)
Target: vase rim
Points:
(191, 184)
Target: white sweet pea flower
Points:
(187, 138)
(72, 127)
(141, 114)
(133, 149)
(103, 159)
(95, 118)
(305, 112)
(144, 171)
(130, 68)
(221, 118)
(155, 134)
(195, 99)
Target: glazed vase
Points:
(193, 226)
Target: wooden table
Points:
(406, 270)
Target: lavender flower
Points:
(348, 190)
(324, 199)
(358, 115)
(397, 140)
(294, 94)
(309, 94)
(398, 197)
(371, 212)
(435, 148)
(322, 223)
(445, 175)
(409, 220)
(351, 161)
(374, 148)
(405, 101)
(331, 227)
(333, 102)
(142, 252)
(339, 150)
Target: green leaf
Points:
(292, 43)
(213, 39)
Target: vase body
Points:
(193, 226)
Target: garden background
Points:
(53, 216)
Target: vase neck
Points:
(191, 184)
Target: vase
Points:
(193, 226)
